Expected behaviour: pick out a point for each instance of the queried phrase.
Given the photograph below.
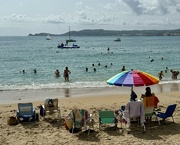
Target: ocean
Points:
(35, 52)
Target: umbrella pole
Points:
(132, 88)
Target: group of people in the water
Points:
(57, 73)
(94, 69)
(174, 73)
(66, 74)
(23, 71)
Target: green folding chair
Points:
(107, 117)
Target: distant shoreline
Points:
(116, 33)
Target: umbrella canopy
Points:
(133, 78)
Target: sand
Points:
(51, 131)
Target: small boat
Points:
(48, 37)
(65, 46)
(117, 39)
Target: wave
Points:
(70, 85)
(169, 82)
(55, 86)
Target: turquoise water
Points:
(28, 53)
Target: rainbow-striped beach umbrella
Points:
(133, 78)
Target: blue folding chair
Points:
(169, 112)
(26, 112)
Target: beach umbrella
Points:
(133, 78)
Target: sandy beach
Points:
(51, 131)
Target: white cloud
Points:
(18, 18)
(81, 14)
(159, 7)
(178, 8)
(135, 5)
(110, 6)
(79, 4)
(54, 19)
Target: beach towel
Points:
(132, 110)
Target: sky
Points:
(21, 17)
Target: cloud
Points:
(153, 7)
(135, 5)
(110, 6)
(105, 20)
(178, 8)
(18, 18)
(55, 19)
(83, 18)
(79, 4)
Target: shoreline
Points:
(17, 96)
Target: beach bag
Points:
(12, 120)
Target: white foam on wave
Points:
(54, 86)
(70, 85)
(169, 82)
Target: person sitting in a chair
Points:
(149, 94)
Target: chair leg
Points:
(173, 119)
(158, 120)
(144, 128)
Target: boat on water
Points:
(117, 39)
(65, 46)
(68, 43)
(48, 37)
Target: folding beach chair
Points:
(79, 119)
(150, 103)
(168, 113)
(26, 112)
(134, 111)
(51, 106)
(107, 117)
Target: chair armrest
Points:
(34, 109)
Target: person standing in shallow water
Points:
(66, 74)
(160, 75)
